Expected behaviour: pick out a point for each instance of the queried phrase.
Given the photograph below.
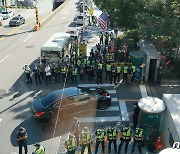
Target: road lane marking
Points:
(99, 119)
(143, 91)
(0, 120)
(123, 108)
(111, 91)
(96, 85)
(29, 36)
(114, 99)
(4, 58)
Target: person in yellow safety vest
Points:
(134, 71)
(118, 72)
(125, 137)
(27, 72)
(85, 61)
(39, 149)
(100, 136)
(138, 139)
(125, 73)
(111, 136)
(63, 72)
(106, 38)
(108, 71)
(74, 75)
(71, 144)
(100, 65)
(88, 62)
(78, 64)
(85, 140)
(101, 38)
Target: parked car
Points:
(17, 21)
(69, 100)
(79, 19)
(7, 14)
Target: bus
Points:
(57, 46)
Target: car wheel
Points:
(103, 105)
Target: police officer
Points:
(101, 38)
(22, 140)
(134, 71)
(56, 74)
(99, 75)
(37, 74)
(118, 72)
(63, 72)
(111, 136)
(108, 71)
(71, 144)
(27, 72)
(135, 116)
(125, 73)
(39, 149)
(138, 138)
(106, 38)
(100, 136)
(129, 74)
(125, 137)
(85, 140)
(74, 75)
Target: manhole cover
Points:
(2, 93)
(48, 128)
(30, 46)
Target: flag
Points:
(102, 20)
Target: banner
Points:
(109, 57)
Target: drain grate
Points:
(2, 93)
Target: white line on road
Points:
(123, 108)
(99, 119)
(114, 99)
(4, 58)
(143, 91)
(111, 91)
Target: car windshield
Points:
(4, 13)
(15, 18)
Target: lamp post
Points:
(83, 16)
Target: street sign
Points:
(109, 57)
(85, 33)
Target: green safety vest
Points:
(126, 133)
(78, 62)
(85, 61)
(134, 68)
(138, 134)
(100, 35)
(108, 67)
(118, 69)
(27, 70)
(101, 66)
(112, 132)
(63, 70)
(40, 150)
(74, 72)
(88, 62)
(125, 69)
(70, 144)
(100, 134)
(85, 138)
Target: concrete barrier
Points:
(55, 12)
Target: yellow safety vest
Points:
(85, 138)
(112, 132)
(27, 70)
(100, 65)
(63, 70)
(74, 72)
(70, 144)
(85, 61)
(134, 68)
(138, 134)
(126, 133)
(108, 67)
(78, 62)
(40, 150)
(118, 69)
(125, 69)
(100, 134)
(100, 35)
(88, 62)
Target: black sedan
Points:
(17, 21)
(70, 100)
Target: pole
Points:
(83, 17)
(6, 5)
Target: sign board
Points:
(109, 57)
(83, 48)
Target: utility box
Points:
(137, 57)
(151, 109)
(151, 60)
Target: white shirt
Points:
(48, 70)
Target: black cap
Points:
(37, 145)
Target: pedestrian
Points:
(135, 116)
(113, 74)
(100, 138)
(63, 73)
(118, 72)
(129, 74)
(134, 72)
(125, 137)
(27, 72)
(138, 139)
(99, 75)
(101, 37)
(37, 75)
(111, 136)
(75, 129)
(88, 70)
(48, 74)
(56, 74)
(81, 73)
(108, 71)
(125, 73)
(71, 144)
(39, 149)
(98, 47)
(85, 140)
(42, 69)
(22, 140)
(106, 38)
